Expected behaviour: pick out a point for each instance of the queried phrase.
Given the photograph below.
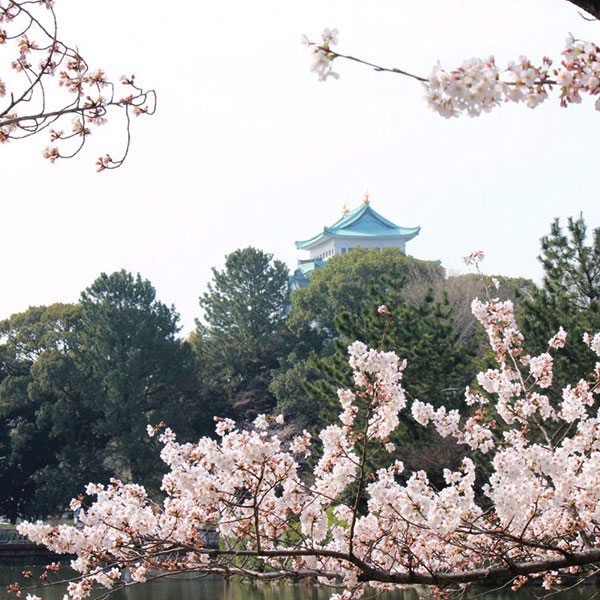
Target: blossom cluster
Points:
(348, 523)
(479, 85)
(41, 70)
(322, 55)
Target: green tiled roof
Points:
(302, 274)
(363, 222)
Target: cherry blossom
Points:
(479, 85)
(322, 55)
(46, 81)
(593, 342)
(536, 516)
(558, 340)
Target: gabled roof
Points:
(304, 271)
(307, 266)
(362, 222)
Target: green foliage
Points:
(79, 385)
(569, 297)
(49, 448)
(438, 366)
(141, 372)
(343, 284)
(571, 267)
(289, 388)
(244, 332)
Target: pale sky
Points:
(249, 148)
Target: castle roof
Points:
(361, 223)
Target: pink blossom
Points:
(559, 339)
(341, 522)
(474, 258)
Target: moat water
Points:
(214, 588)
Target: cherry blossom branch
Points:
(479, 85)
(539, 517)
(330, 55)
(483, 575)
(60, 86)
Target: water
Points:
(186, 587)
(191, 587)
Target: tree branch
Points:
(590, 6)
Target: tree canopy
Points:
(50, 444)
(141, 370)
(343, 284)
(244, 331)
(78, 385)
(540, 519)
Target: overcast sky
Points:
(249, 148)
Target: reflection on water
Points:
(214, 588)
(181, 588)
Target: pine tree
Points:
(438, 366)
(244, 332)
(569, 297)
(141, 372)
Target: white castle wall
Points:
(332, 246)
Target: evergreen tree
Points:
(244, 331)
(50, 447)
(569, 297)
(79, 385)
(142, 373)
(438, 366)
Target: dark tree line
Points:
(79, 383)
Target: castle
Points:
(362, 227)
